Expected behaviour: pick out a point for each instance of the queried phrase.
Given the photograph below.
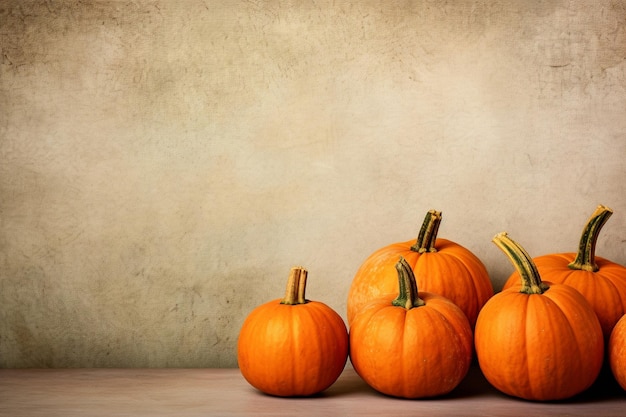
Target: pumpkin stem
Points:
(428, 233)
(408, 296)
(296, 287)
(586, 256)
(531, 281)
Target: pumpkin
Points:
(541, 341)
(617, 352)
(600, 281)
(292, 346)
(412, 346)
(440, 266)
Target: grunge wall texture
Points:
(164, 163)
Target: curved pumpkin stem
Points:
(531, 281)
(428, 233)
(586, 256)
(296, 287)
(408, 296)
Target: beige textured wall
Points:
(164, 163)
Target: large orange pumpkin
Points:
(413, 346)
(440, 266)
(617, 352)
(541, 341)
(292, 347)
(600, 281)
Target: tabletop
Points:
(224, 392)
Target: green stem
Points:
(296, 287)
(586, 256)
(428, 233)
(408, 297)
(523, 263)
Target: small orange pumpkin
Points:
(413, 346)
(292, 347)
(617, 352)
(600, 281)
(539, 342)
(440, 266)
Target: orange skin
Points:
(604, 289)
(617, 352)
(452, 271)
(292, 350)
(425, 351)
(539, 346)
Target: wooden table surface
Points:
(224, 392)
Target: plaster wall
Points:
(164, 163)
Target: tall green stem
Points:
(428, 233)
(523, 263)
(408, 296)
(296, 287)
(586, 256)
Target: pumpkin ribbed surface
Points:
(440, 266)
(416, 345)
(292, 346)
(539, 341)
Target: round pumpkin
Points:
(541, 341)
(440, 266)
(617, 351)
(412, 346)
(292, 346)
(600, 281)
